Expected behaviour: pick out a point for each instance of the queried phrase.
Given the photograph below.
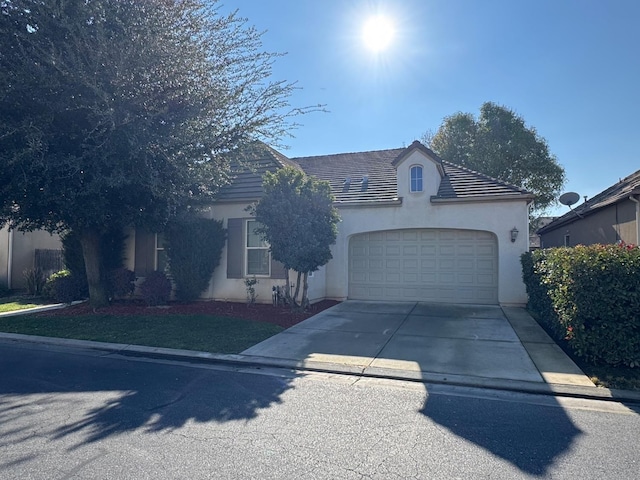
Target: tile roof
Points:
(614, 194)
(458, 183)
(247, 166)
(372, 176)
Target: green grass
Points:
(190, 332)
(11, 304)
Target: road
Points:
(80, 414)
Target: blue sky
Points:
(570, 68)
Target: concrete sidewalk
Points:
(474, 346)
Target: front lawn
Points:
(11, 304)
(205, 333)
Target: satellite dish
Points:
(569, 198)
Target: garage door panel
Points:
(424, 264)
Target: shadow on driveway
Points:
(451, 341)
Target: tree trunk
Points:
(294, 304)
(304, 303)
(90, 241)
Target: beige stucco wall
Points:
(23, 251)
(233, 289)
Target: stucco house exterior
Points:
(611, 216)
(20, 251)
(413, 227)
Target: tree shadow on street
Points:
(134, 395)
(532, 438)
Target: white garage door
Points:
(437, 265)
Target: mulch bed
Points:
(282, 316)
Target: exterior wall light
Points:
(514, 234)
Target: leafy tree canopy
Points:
(298, 220)
(498, 143)
(120, 112)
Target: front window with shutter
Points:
(257, 252)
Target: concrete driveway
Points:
(474, 344)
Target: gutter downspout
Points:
(635, 200)
(10, 259)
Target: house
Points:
(611, 216)
(413, 227)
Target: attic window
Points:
(416, 178)
(346, 184)
(365, 183)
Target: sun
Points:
(378, 33)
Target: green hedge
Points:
(194, 248)
(589, 296)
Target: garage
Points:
(431, 265)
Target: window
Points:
(416, 178)
(258, 257)
(567, 240)
(160, 253)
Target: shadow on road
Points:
(131, 395)
(445, 340)
(530, 438)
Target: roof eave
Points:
(368, 203)
(484, 198)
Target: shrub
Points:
(64, 287)
(156, 289)
(590, 296)
(35, 280)
(194, 247)
(121, 282)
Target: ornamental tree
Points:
(498, 143)
(300, 223)
(118, 113)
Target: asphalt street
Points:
(71, 413)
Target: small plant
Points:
(156, 289)
(64, 287)
(35, 280)
(250, 284)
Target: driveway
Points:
(425, 341)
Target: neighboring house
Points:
(534, 238)
(609, 217)
(22, 251)
(413, 227)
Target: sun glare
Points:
(378, 33)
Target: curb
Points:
(239, 360)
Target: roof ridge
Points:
(367, 152)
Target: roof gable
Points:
(427, 152)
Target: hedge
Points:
(590, 297)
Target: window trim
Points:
(420, 169)
(246, 252)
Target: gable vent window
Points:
(416, 178)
